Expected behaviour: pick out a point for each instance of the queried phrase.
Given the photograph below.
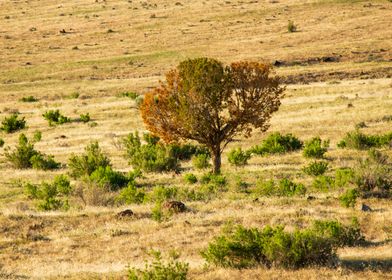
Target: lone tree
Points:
(204, 101)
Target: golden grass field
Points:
(99, 49)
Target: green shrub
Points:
(85, 117)
(201, 161)
(51, 196)
(91, 160)
(106, 177)
(276, 143)
(241, 248)
(291, 27)
(210, 178)
(373, 175)
(238, 157)
(190, 178)
(283, 187)
(131, 195)
(185, 152)
(1, 142)
(13, 123)
(349, 198)
(157, 212)
(316, 168)
(25, 156)
(150, 157)
(358, 140)
(28, 99)
(55, 117)
(339, 234)
(161, 194)
(44, 162)
(315, 148)
(323, 183)
(160, 270)
(37, 136)
(343, 177)
(130, 94)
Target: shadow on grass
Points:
(369, 264)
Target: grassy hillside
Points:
(80, 56)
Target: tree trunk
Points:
(216, 160)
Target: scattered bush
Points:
(316, 168)
(185, 152)
(37, 136)
(131, 94)
(291, 27)
(238, 157)
(349, 198)
(131, 194)
(323, 183)
(150, 157)
(157, 213)
(86, 164)
(85, 118)
(51, 196)
(190, 178)
(28, 99)
(161, 194)
(160, 270)
(283, 187)
(343, 177)
(55, 117)
(276, 143)
(358, 140)
(44, 162)
(241, 248)
(210, 178)
(315, 148)
(106, 177)
(201, 161)
(13, 123)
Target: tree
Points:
(204, 101)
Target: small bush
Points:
(343, 177)
(315, 148)
(161, 194)
(13, 123)
(201, 161)
(241, 248)
(37, 136)
(131, 195)
(157, 212)
(152, 156)
(130, 94)
(55, 117)
(276, 143)
(44, 162)
(28, 99)
(283, 187)
(210, 178)
(185, 152)
(85, 118)
(160, 270)
(190, 178)
(238, 157)
(358, 140)
(323, 183)
(1, 142)
(91, 160)
(316, 168)
(106, 177)
(291, 27)
(51, 196)
(349, 198)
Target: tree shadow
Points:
(368, 264)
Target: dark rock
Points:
(125, 213)
(310, 197)
(366, 208)
(174, 206)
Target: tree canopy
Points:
(205, 101)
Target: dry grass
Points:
(39, 60)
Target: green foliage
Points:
(1, 142)
(51, 196)
(13, 123)
(161, 194)
(238, 157)
(373, 175)
(210, 178)
(349, 198)
(201, 161)
(37, 136)
(277, 143)
(190, 178)
(157, 212)
(185, 152)
(358, 140)
(340, 235)
(44, 162)
(343, 177)
(150, 157)
(291, 27)
(160, 270)
(86, 164)
(323, 183)
(130, 94)
(316, 168)
(28, 99)
(55, 117)
(283, 187)
(241, 248)
(131, 195)
(106, 177)
(315, 148)
(85, 117)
